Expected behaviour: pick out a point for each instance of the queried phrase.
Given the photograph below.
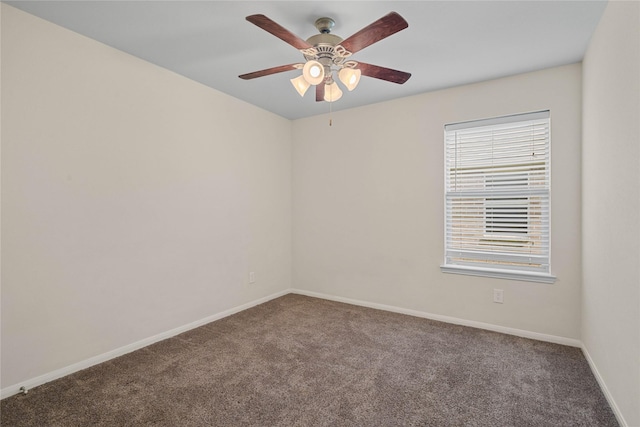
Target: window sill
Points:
(499, 274)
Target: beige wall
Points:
(611, 205)
(368, 204)
(134, 200)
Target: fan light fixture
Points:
(301, 85)
(313, 72)
(332, 92)
(350, 77)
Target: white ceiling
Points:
(448, 43)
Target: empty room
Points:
(279, 213)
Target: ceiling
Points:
(448, 43)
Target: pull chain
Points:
(330, 111)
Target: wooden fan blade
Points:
(376, 31)
(269, 71)
(383, 73)
(279, 31)
(320, 92)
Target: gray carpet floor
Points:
(301, 361)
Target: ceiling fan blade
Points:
(269, 71)
(383, 73)
(374, 32)
(279, 31)
(320, 92)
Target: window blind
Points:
(497, 191)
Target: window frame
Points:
(505, 262)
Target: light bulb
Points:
(313, 72)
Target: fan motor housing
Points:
(324, 39)
(325, 51)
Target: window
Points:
(497, 184)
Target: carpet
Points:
(302, 361)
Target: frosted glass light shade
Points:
(350, 77)
(332, 92)
(313, 72)
(300, 84)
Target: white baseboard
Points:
(603, 387)
(448, 319)
(59, 373)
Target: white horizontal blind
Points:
(497, 183)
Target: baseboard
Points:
(447, 319)
(603, 387)
(59, 373)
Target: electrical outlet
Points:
(498, 296)
(252, 277)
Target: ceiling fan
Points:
(325, 53)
